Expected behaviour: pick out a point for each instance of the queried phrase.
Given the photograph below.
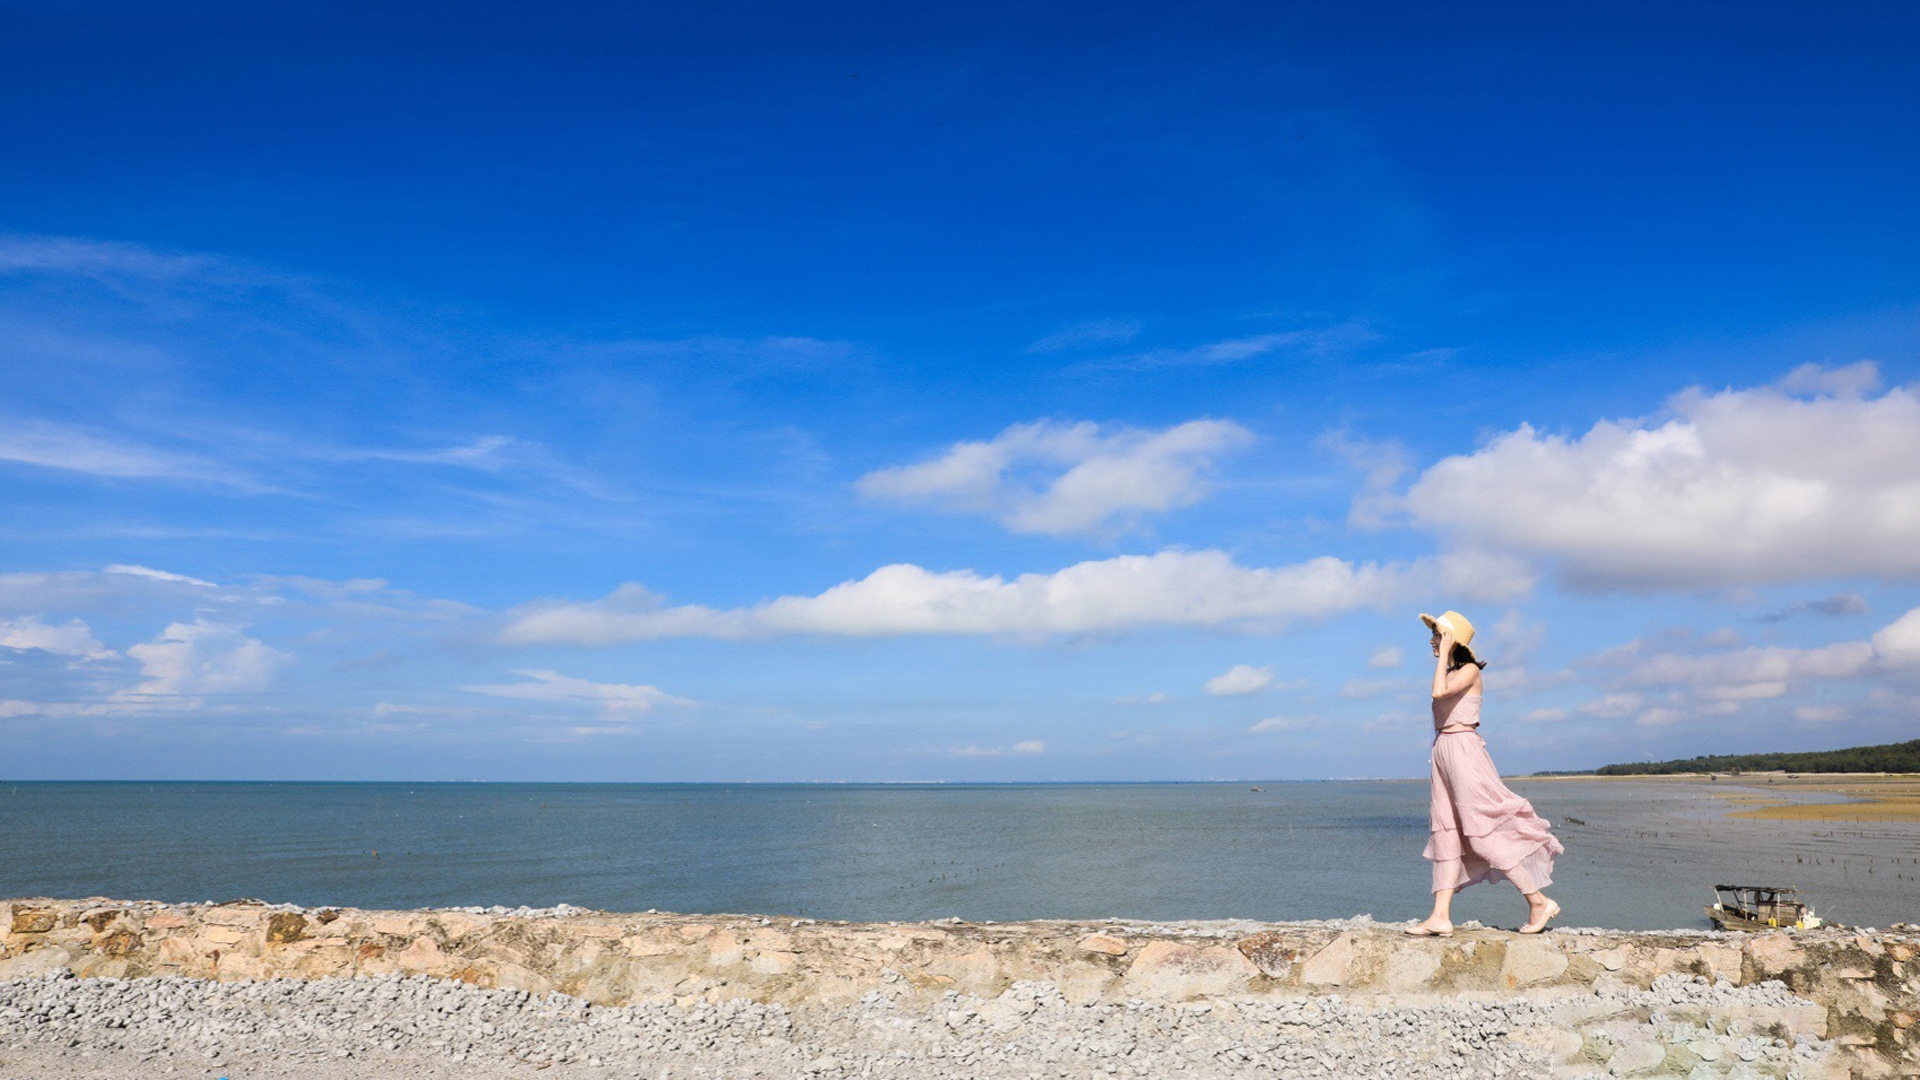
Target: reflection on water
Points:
(1646, 857)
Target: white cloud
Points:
(1279, 723)
(1898, 643)
(1158, 697)
(1129, 592)
(201, 657)
(73, 639)
(1740, 487)
(1819, 714)
(1030, 746)
(1386, 656)
(1239, 679)
(1056, 479)
(1543, 716)
(620, 700)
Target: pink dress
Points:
(1481, 831)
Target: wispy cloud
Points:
(24, 254)
(726, 359)
(1382, 464)
(1819, 380)
(1320, 342)
(1366, 688)
(65, 448)
(1386, 656)
(122, 590)
(99, 317)
(1090, 332)
(72, 639)
(148, 572)
(494, 455)
(1658, 689)
(626, 701)
(974, 750)
(1837, 605)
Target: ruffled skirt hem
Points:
(1481, 831)
(1531, 872)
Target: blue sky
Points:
(1003, 392)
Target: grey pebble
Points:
(426, 1029)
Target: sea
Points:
(1640, 855)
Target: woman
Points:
(1480, 830)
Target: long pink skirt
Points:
(1482, 831)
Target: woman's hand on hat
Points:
(1446, 643)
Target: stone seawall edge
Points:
(1858, 989)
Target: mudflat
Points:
(1871, 797)
(1781, 796)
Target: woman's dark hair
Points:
(1462, 656)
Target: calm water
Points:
(1645, 859)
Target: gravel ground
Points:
(420, 1028)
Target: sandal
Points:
(1553, 909)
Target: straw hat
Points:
(1455, 623)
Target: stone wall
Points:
(1854, 992)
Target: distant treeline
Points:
(1892, 758)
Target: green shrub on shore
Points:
(1891, 758)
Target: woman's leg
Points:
(1441, 921)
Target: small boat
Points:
(1759, 907)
